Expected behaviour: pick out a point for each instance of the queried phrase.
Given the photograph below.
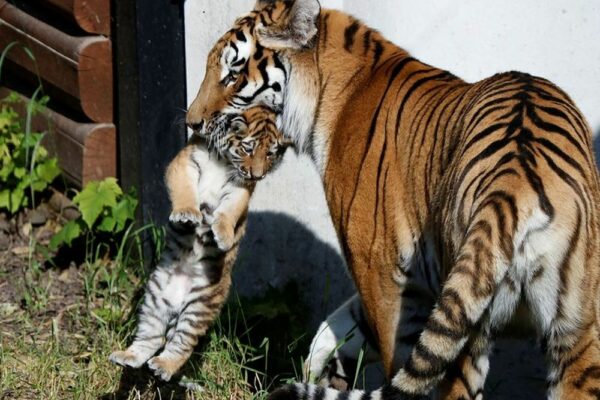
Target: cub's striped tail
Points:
(303, 391)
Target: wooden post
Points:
(148, 40)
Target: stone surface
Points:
(4, 241)
(39, 216)
(4, 224)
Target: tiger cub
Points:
(209, 193)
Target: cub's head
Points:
(252, 143)
(248, 65)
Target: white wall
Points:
(557, 39)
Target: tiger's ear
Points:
(285, 142)
(260, 4)
(294, 29)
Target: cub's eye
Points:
(248, 147)
(229, 79)
(238, 128)
(272, 152)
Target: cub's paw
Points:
(164, 367)
(224, 234)
(186, 215)
(207, 213)
(127, 358)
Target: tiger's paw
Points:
(186, 215)
(164, 367)
(224, 234)
(127, 358)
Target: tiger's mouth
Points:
(216, 132)
(248, 176)
(218, 126)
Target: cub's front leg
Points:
(182, 179)
(232, 207)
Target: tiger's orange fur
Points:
(452, 201)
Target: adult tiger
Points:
(469, 196)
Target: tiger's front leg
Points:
(338, 343)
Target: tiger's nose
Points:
(196, 126)
(256, 176)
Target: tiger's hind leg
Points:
(196, 317)
(575, 369)
(474, 284)
(562, 292)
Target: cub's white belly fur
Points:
(213, 176)
(177, 290)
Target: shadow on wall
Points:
(278, 249)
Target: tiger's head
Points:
(252, 143)
(250, 64)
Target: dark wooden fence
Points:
(76, 70)
(115, 74)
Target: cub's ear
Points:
(294, 25)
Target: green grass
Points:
(55, 343)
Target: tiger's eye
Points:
(229, 79)
(238, 128)
(248, 147)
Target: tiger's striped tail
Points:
(303, 391)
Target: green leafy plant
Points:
(104, 208)
(25, 166)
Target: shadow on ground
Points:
(140, 383)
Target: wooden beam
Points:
(79, 66)
(92, 16)
(85, 151)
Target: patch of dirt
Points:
(27, 283)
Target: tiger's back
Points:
(523, 191)
(499, 188)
